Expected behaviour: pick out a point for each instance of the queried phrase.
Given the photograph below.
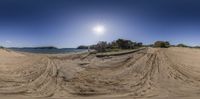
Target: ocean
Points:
(48, 51)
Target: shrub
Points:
(101, 46)
(1, 47)
(181, 45)
(197, 47)
(161, 44)
(119, 44)
(125, 44)
(139, 44)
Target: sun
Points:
(99, 30)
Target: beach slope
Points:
(153, 73)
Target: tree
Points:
(161, 44)
(139, 44)
(167, 44)
(125, 44)
(120, 43)
(101, 46)
(114, 45)
(182, 45)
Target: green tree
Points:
(162, 44)
(101, 46)
(182, 45)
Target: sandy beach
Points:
(153, 73)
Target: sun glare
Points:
(99, 30)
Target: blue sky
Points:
(69, 23)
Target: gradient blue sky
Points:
(69, 23)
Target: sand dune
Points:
(9, 53)
(172, 73)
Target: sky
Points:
(70, 23)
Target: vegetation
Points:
(117, 45)
(1, 47)
(162, 44)
(181, 45)
(123, 44)
(197, 47)
(82, 47)
(101, 46)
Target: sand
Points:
(151, 73)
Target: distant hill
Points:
(1, 47)
(82, 47)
